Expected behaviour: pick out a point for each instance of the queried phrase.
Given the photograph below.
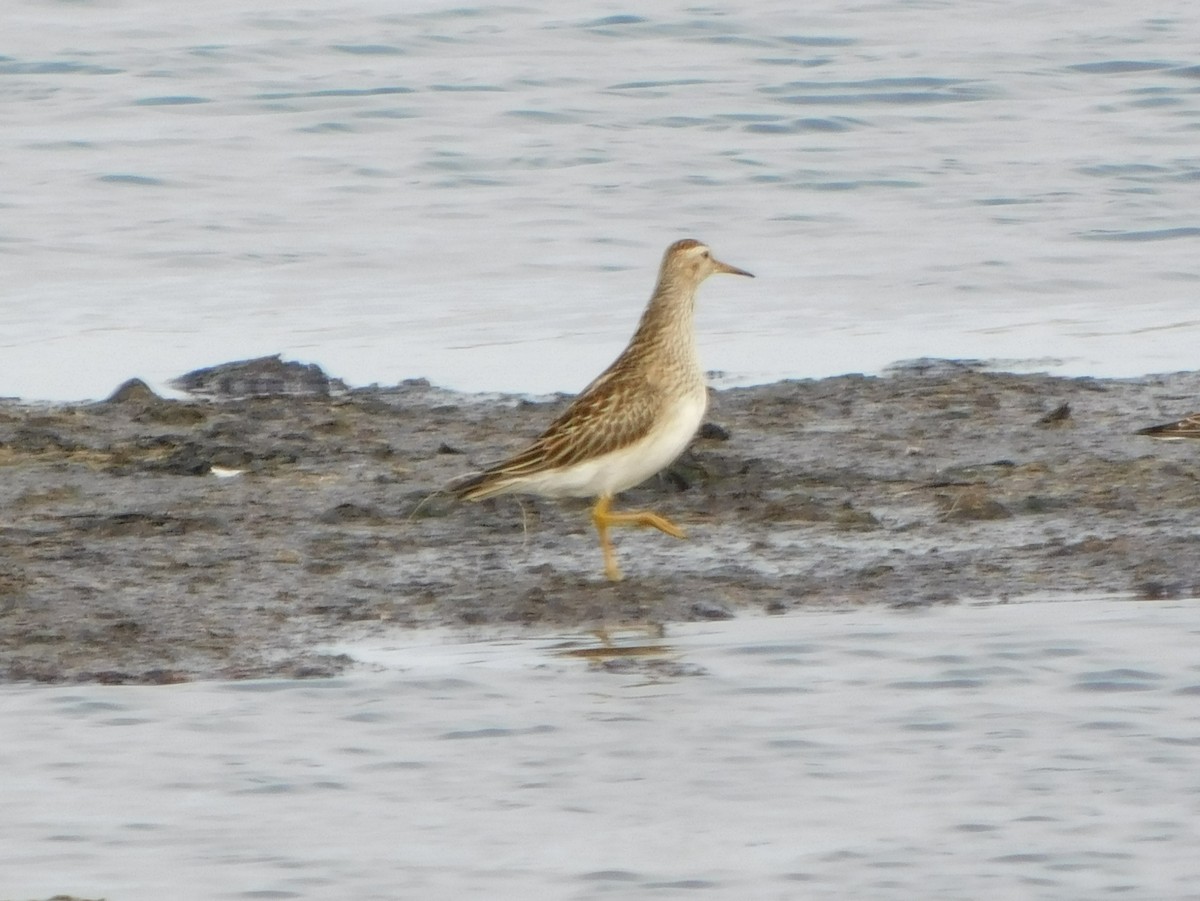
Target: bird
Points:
(1188, 427)
(631, 421)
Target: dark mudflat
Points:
(124, 558)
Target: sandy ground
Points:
(130, 552)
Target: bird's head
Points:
(690, 260)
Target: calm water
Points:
(480, 195)
(1038, 751)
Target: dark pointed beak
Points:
(732, 270)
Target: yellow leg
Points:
(603, 517)
(600, 514)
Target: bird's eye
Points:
(705, 254)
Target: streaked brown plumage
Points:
(632, 420)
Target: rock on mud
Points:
(260, 377)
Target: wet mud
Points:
(234, 533)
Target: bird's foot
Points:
(644, 519)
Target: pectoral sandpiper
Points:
(634, 419)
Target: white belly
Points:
(632, 465)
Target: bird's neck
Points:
(669, 317)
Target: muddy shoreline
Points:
(233, 533)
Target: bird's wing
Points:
(613, 412)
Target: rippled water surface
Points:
(481, 194)
(1042, 750)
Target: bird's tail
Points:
(476, 486)
(1183, 428)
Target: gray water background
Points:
(480, 195)
(1045, 750)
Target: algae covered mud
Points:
(274, 511)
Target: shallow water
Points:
(1037, 750)
(480, 195)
